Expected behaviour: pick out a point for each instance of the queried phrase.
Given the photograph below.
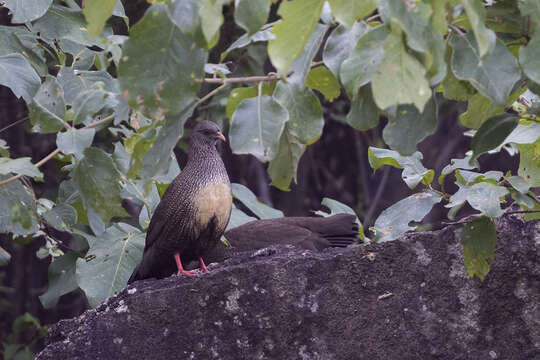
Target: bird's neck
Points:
(202, 151)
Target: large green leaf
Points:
(399, 78)
(251, 14)
(237, 95)
(322, 80)
(256, 127)
(17, 74)
(24, 11)
(363, 114)
(238, 218)
(493, 75)
(394, 221)
(478, 238)
(358, 69)
(483, 196)
(485, 38)
(340, 44)
(18, 39)
(23, 166)
(529, 163)
(305, 113)
(165, 84)
(211, 19)
(529, 58)
(87, 104)
(75, 141)
(407, 127)
(47, 109)
(18, 213)
(61, 217)
(264, 34)
(292, 34)
(492, 133)
(96, 14)
(61, 280)
(530, 8)
(109, 262)
(282, 169)
(301, 66)
(479, 109)
(465, 163)
(261, 210)
(413, 170)
(98, 182)
(347, 12)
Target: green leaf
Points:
(75, 141)
(302, 65)
(162, 85)
(237, 95)
(306, 120)
(98, 182)
(17, 74)
(282, 169)
(525, 133)
(61, 280)
(96, 14)
(408, 127)
(529, 163)
(61, 217)
(529, 58)
(109, 262)
(479, 109)
(479, 238)
(413, 170)
(185, 15)
(264, 34)
(439, 15)
(23, 166)
(251, 14)
(347, 12)
(5, 257)
(483, 196)
(530, 8)
(358, 69)
(363, 114)
(238, 218)
(24, 11)
(465, 163)
(470, 177)
(455, 89)
(413, 18)
(485, 38)
(340, 44)
(256, 127)
(400, 77)
(211, 19)
(494, 75)
(18, 39)
(292, 34)
(47, 109)
(18, 209)
(519, 183)
(261, 210)
(394, 221)
(492, 133)
(87, 104)
(322, 80)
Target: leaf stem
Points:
(225, 82)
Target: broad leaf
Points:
(492, 133)
(347, 12)
(401, 75)
(264, 34)
(96, 14)
(23, 166)
(493, 75)
(251, 14)
(478, 238)
(109, 262)
(408, 127)
(211, 19)
(237, 95)
(47, 109)
(529, 58)
(519, 183)
(292, 34)
(529, 163)
(61, 217)
(75, 141)
(479, 109)
(61, 280)
(301, 66)
(256, 127)
(483, 196)
(282, 169)
(363, 114)
(465, 163)
(24, 11)
(163, 85)
(322, 80)
(340, 44)
(18, 213)
(261, 210)
(485, 38)
(87, 104)
(17, 74)
(394, 221)
(238, 218)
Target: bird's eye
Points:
(207, 132)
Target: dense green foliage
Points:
(392, 58)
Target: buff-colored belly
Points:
(214, 200)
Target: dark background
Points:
(336, 166)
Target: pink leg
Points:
(180, 267)
(202, 265)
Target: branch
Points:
(269, 77)
(57, 150)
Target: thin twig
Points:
(14, 123)
(269, 77)
(213, 92)
(456, 29)
(372, 18)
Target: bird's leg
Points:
(180, 267)
(202, 265)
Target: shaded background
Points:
(336, 166)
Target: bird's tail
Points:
(340, 230)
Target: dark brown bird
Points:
(193, 213)
(312, 233)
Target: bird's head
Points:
(207, 132)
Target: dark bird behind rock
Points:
(193, 212)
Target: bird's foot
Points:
(202, 265)
(184, 272)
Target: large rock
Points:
(406, 299)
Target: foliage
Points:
(118, 105)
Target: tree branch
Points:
(269, 77)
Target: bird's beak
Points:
(220, 136)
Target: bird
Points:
(193, 213)
(311, 233)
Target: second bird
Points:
(193, 212)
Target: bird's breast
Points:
(214, 200)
